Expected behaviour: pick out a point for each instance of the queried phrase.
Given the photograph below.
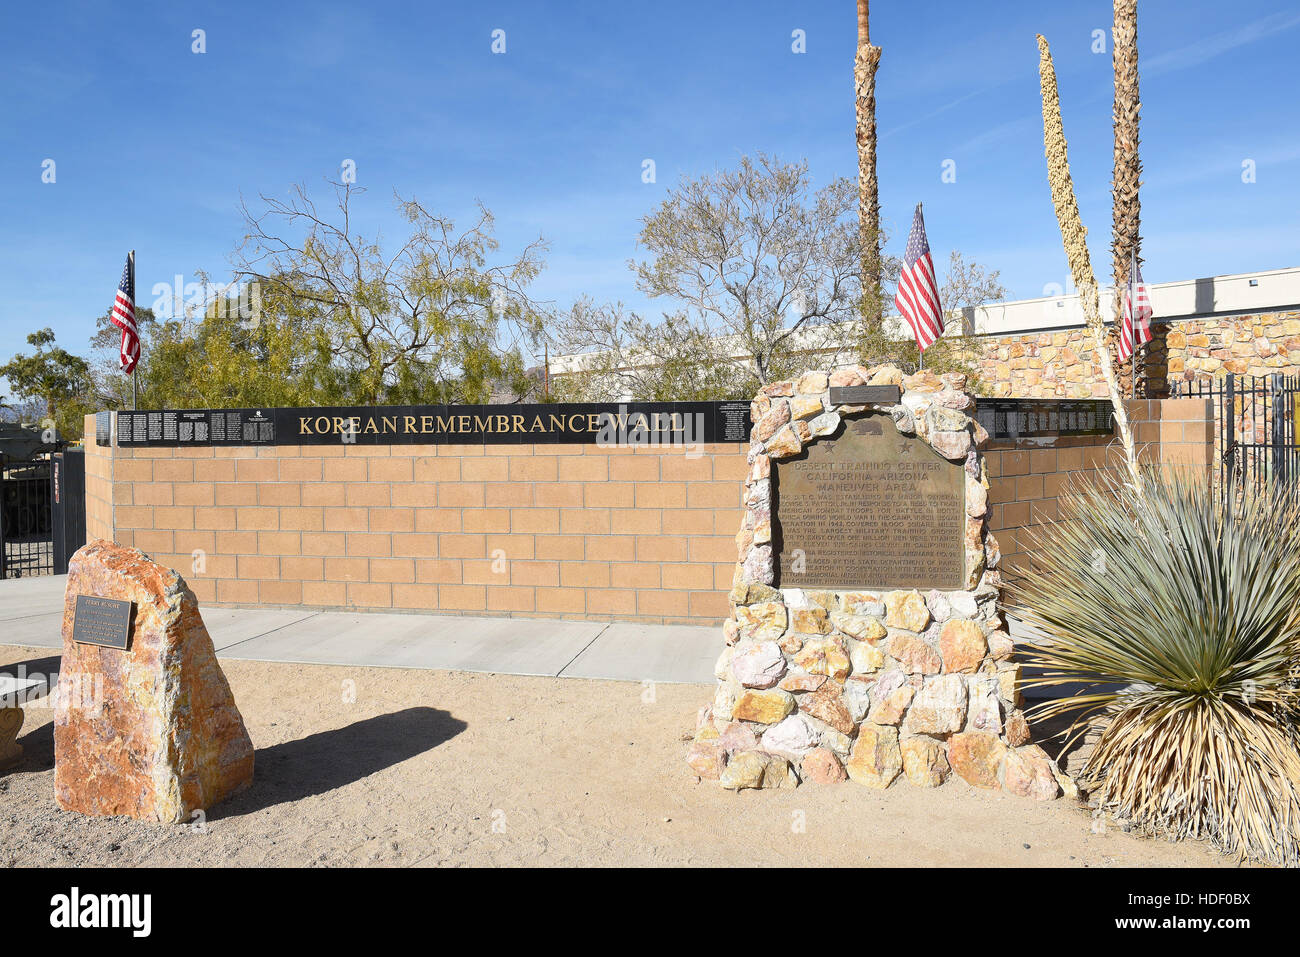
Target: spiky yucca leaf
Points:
(1191, 606)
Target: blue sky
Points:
(154, 144)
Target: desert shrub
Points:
(1189, 605)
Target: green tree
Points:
(438, 319)
(54, 377)
(763, 261)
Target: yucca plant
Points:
(1188, 606)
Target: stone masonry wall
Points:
(1062, 364)
(819, 685)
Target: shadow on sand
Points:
(321, 762)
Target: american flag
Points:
(123, 316)
(1136, 328)
(918, 293)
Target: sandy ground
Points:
(450, 768)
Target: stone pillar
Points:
(837, 661)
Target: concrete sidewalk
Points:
(31, 613)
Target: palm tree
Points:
(864, 82)
(1126, 242)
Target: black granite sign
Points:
(630, 423)
(1038, 418)
(102, 621)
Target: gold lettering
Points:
(408, 423)
(557, 423)
(370, 425)
(303, 427)
(444, 424)
(516, 423)
(426, 423)
(390, 423)
(322, 429)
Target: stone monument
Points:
(145, 724)
(865, 638)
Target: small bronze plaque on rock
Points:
(102, 621)
(871, 509)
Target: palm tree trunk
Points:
(864, 83)
(1126, 242)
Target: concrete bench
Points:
(14, 692)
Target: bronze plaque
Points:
(102, 621)
(871, 509)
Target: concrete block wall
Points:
(568, 531)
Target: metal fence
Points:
(1256, 428)
(26, 517)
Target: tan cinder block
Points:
(327, 494)
(1029, 487)
(415, 495)
(173, 517)
(307, 519)
(662, 604)
(258, 566)
(584, 574)
(324, 594)
(611, 601)
(278, 543)
(415, 545)
(661, 495)
(133, 470)
(637, 521)
(370, 594)
(437, 520)
(422, 597)
(153, 493)
(634, 469)
(462, 597)
(236, 542)
(307, 469)
(344, 470)
(534, 573)
(511, 546)
(613, 548)
(235, 493)
(280, 593)
(507, 494)
(428, 468)
(154, 541)
(369, 545)
(561, 547)
(171, 470)
(686, 575)
(193, 493)
(662, 548)
(391, 470)
(392, 570)
(708, 604)
(302, 567)
(237, 591)
(462, 494)
(1015, 462)
(713, 495)
(438, 570)
(711, 549)
(543, 469)
(219, 470)
(485, 519)
(483, 571)
(510, 598)
(346, 569)
(585, 521)
(257, 470)
(641, 575)
(323, 543)
(680, 467)
(279, 493)
(557, 494)
(730, 466)
(453, 545)
(586, 468)
(346, 519)
(561, 601)
(392, 520)
(367, 495)
(485, 469)
(535, 521)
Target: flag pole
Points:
(920, 353)
(1133, 360)
(135, 387)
